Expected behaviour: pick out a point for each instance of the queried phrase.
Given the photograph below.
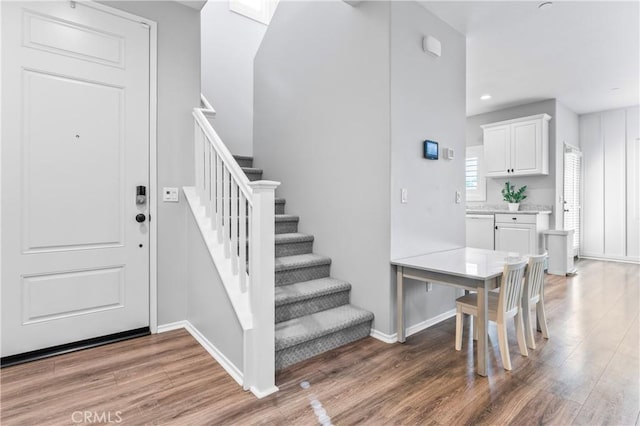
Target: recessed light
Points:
(545, 5)
(485, 97)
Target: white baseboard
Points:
(163, 328)
(610, 259)
(387, 338)
(416, 328)
(262, 394)
(224, 362)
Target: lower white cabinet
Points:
(480, 232)
(521, 233)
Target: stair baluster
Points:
(234, 216)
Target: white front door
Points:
(75, 145)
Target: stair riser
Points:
(291, 249)
(302, 274)
(279, 208)
(286, 227)
(306, 350)
(311, 306)
(245, 162)
(254, 176)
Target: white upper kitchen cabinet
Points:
(518, 147)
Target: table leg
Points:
(400, 304)
(482, 348)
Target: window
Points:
(474, 174)
(258, 10)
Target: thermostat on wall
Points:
(430, 150)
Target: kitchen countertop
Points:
(505, 211)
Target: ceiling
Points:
(194, 4)
(574, 51)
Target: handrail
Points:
(237, 217)
(223, 151)
(206, 109)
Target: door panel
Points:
(593, 195)
(511, 239)
(73, 159)
(524, 153)
(614, 141)
(93, 290)
(633, 183)
(66, 38)
(497, 147)
(75, 144)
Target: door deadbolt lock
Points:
(140, 218)
(141, 194)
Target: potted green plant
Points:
(513, 196)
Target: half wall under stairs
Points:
(313, 313)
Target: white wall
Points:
(209, 308)
(178, 94)
(610, 209)
(427, 102)
(541, 190)
(567, 131)
(342, 127)
(229, 44)
(321, 123)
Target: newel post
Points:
(259, 348)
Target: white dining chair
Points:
(501, 306)
(533, 294)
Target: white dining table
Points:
(465, 267)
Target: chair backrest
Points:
(511, 287)
(534, 282)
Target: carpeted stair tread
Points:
(243, 160)
(298, 261)
(286, 218)
(310, 327)
(293, 237)
(251, 170)
(305, 290)
(252, 173)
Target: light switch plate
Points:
(448, 153)
(404, 196)
(458, 197)
(170, 195)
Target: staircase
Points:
(312, 310)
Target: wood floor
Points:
(587, 373)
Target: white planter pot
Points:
(513, 207)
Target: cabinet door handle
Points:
(496, 227)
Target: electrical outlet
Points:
(170, 195)
(429, 287)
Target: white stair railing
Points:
(240, 216)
